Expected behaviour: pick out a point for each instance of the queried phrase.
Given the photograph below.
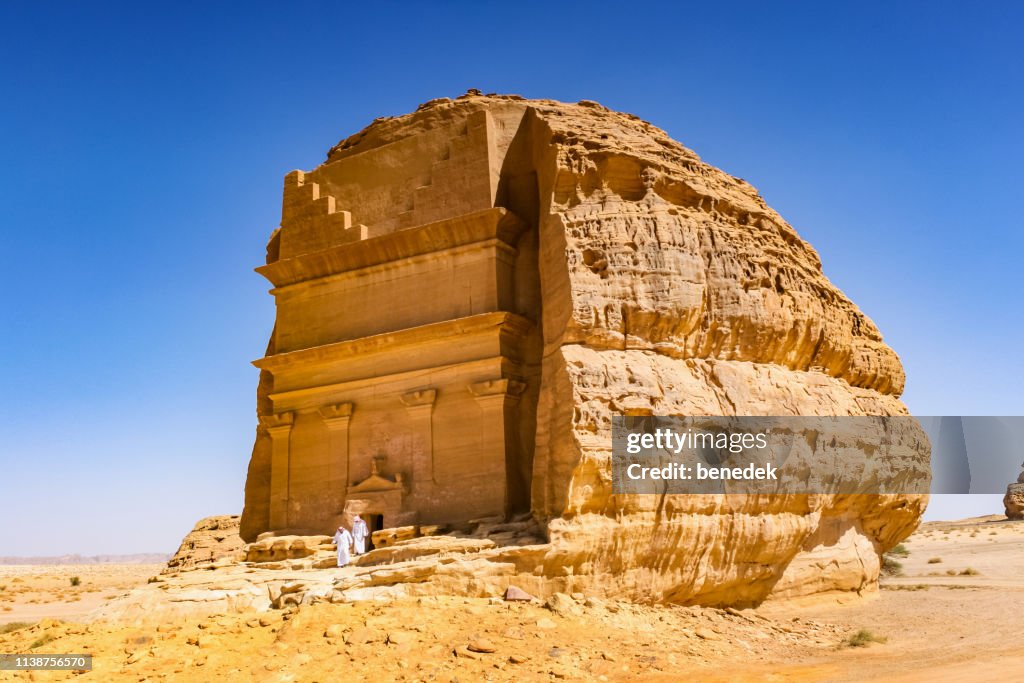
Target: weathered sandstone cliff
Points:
(631, 278)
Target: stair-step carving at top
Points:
(311, 221)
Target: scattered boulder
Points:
(563, 605)
(517, 594)
(482, 645)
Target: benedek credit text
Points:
(701, 472)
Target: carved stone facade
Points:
(401, 378)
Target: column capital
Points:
(337, 414)
(277, 421)
(503, 386)
(421, 397)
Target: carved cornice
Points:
(498, 224)
(510, 326)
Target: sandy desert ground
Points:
(954, 612)
(29, 593)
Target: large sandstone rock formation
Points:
(467, 294)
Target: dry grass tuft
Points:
(42, 640)
(13, 626)
(863, 638)
(891, 567)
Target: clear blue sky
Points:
(143, 151)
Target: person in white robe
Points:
(359, 534)
(343, 539)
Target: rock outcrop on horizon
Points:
(467, 294)
(1013, 501)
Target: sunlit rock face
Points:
(467, 294)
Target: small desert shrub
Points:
(900, 551)
(863, 638)
(42, 640)
(970, 571)
(13, 626)
(891, 567)
(992, 533)
(75, 581)
(934, 560)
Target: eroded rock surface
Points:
(473, 290)
(212, 539)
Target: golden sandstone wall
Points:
(467, 294)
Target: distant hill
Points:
(137, 558)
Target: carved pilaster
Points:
(498, 400)
(420, 406)
(279, 427)
(337, 417)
